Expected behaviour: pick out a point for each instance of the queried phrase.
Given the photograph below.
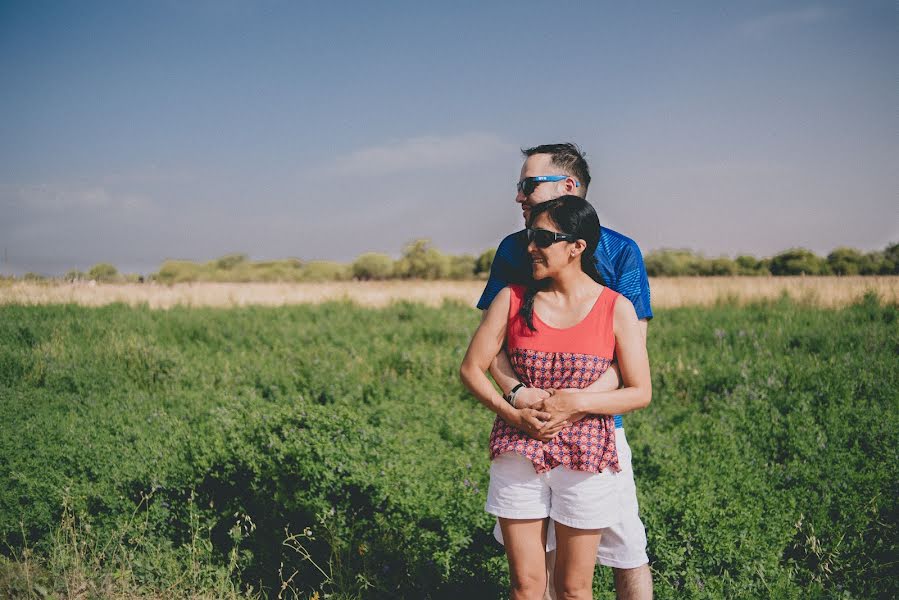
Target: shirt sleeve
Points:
(633, 282)
(502, 272)
(499, 278)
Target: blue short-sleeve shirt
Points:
(618, 259)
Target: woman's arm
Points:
(633, 364)
(485, 345)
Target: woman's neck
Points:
(571, 282)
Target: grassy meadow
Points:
(329, 450)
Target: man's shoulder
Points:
(512, 243)
(622, 252)
(610, 237)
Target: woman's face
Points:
(546, 262)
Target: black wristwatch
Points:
(510, 397)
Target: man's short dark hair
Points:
(567, 157)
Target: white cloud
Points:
(420, 153)
(56, 198)
(767, 24)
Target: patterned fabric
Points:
(589, 444)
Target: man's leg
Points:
(623, 545)
(550, 569)
(633, 584)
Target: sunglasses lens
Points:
(527, 186)
(541, 237)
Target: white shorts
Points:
(578, 499)
(623, 544)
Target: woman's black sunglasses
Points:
(543, 238)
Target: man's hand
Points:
(529, 397)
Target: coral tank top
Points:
(573, 357)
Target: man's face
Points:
(541, 164)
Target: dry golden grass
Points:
(667, 292)
(827, 292)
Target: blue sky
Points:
(133, 132)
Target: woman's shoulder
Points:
(509, 298)
(516, 290)
(622, 307)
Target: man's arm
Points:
(570, 405)
(611, 379)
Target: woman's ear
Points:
(578, 247)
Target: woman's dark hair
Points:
(575, 216)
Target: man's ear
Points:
(570, 186)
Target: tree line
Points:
(420, 260)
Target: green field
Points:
(173, 452)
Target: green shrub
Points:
(845, 261)
(103, 272)
(766, 464)
(485, 261)
(323, 270)
(798, 261)
(373, 266)
(421, 261)
(672, 263)
(177, 271)
(461, 266)
(75, 275)
(229, 261)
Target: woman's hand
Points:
(563, 407)
(530, 421)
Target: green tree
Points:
(890, 264)
(749, 265)
(421, 261)
(326, 270)
(673, 263)
(798, 261)
(372, 265)
(103, 272)
(229, 261)
(462, 266)
(721, 266)
(845, 261)
(484, 261)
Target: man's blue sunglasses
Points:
(527, 185)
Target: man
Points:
(550, 171)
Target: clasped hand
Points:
(544, 413)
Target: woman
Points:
(557, 459)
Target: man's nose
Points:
(520, 197)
